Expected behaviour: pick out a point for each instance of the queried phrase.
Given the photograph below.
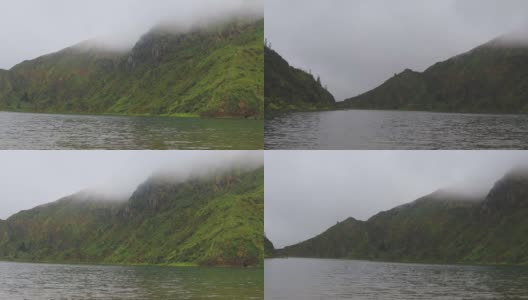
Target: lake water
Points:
(368, 129)
(55, 131)
(297, 278)
(43, 281)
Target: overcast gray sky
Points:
(31, 28)
(31, 178)
(308, 191)
(355, 45)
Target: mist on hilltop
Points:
(41, 27)
(32, 178)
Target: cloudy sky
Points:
(308, 191)
(31, 178)
(355, 45)
(31, 28)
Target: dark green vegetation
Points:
(215, 71)
(269, 249)
(212, 220)
(491, 78)
(441, 228)
(290, 89)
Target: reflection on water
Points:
(42, 281)
(297, 278)
(366, 129)
(54, 131)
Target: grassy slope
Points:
(289, 89)
(213, 72)
(212, 221)
(490, 78)
(437, 228)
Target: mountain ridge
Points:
(213, 72)
(487, 79)
(213, 221)
(291, 89)
(434, 229)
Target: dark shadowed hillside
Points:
(441, 227)
(290, 89)
(490, 78)
(269, 249)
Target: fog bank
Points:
(31, 178)
(32, 28)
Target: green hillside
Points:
(214, 71)
(439, 228)
(215, 220)
(491, 78)
(290, 89)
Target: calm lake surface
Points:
(55, 131)
(369, 129)
(42, 281)
(297, 278)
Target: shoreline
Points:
(406, 262)
(278, 113)
(168, 265)
(173, 116)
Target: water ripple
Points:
(364, 129)
(42, 281)
(54, 131)
(295, 278)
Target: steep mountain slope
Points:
(269, 249)
(211, 71)
(288, 89)
(216, 220)
(441, 227)
(490, 78)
